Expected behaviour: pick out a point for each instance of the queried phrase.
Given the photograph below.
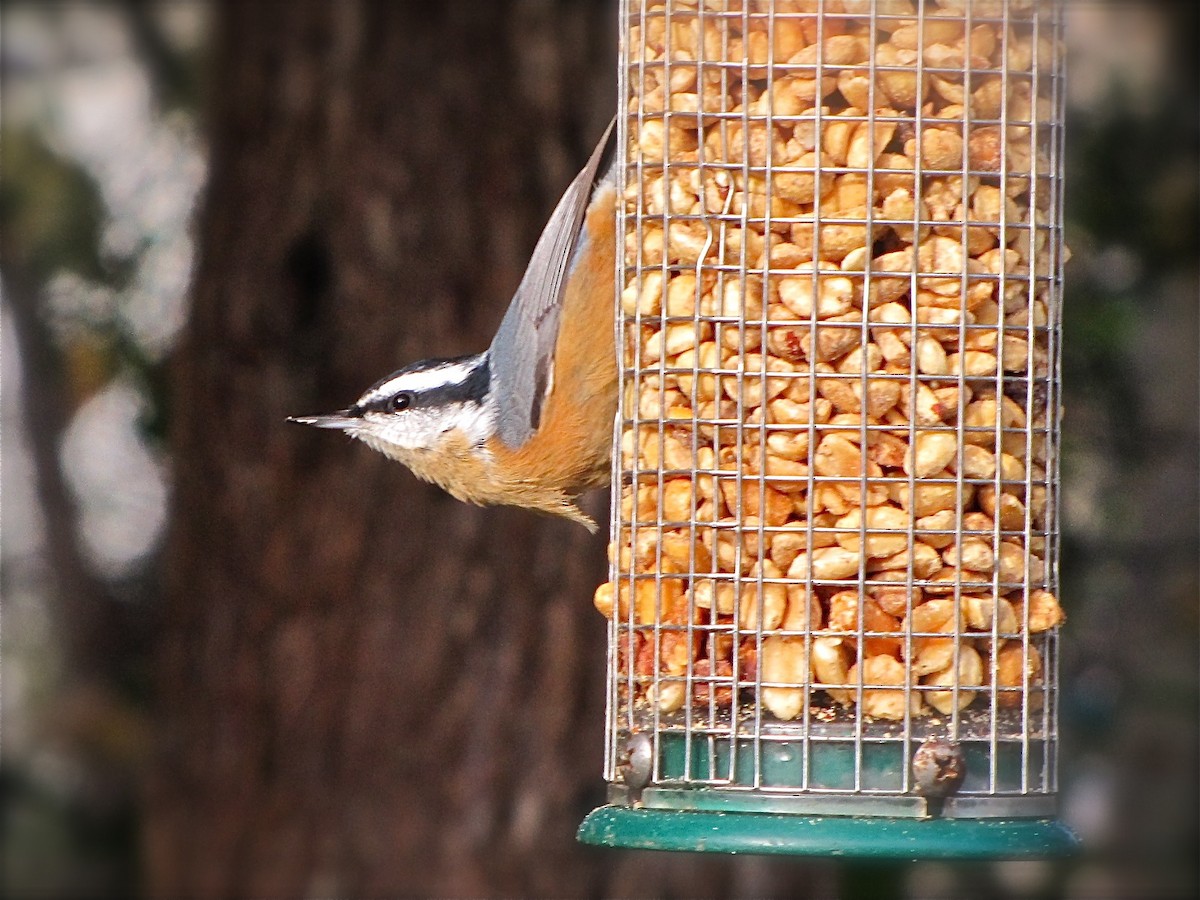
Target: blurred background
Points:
(234, 662)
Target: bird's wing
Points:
(522, 353)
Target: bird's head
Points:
(414, 411)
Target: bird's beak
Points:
(340, 420)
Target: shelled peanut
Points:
(837, 304)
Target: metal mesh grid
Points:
(792, 615)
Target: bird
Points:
(528, 422)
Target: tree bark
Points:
(365, 687)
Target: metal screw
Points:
(938, 768)
(636, 764)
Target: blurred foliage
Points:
(174, 72)
(69, 795)
(1109, 157)
(52, 216)
(51, 211)
(59, 844)
(1133, 220)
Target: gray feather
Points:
(522, 353)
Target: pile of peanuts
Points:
(838, 434)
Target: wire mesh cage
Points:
(833, 584)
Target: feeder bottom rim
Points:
(869, 837)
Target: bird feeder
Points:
(833, 595)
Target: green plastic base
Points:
(835, 836)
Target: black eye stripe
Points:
(472, 389)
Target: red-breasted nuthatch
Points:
(528, 422)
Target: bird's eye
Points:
(400, 401)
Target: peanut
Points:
(784, 662)
(980, 611)
(882, 703)
(830, 668)
(931, 452)
(969, 674)
(762, 606)
(1015, 664)
(1042, 609)
(886, 533)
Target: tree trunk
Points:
(367, 688)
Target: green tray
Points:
(831, 836)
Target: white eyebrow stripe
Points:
(423, 379)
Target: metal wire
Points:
(753, 324)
